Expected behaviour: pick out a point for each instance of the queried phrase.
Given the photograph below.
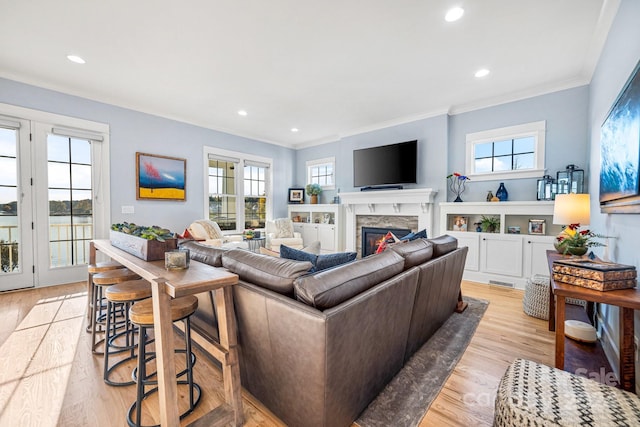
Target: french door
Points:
(54, 196)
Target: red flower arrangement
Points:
(572, 237)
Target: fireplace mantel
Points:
(411, 202)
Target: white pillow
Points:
(313, 248)
(284, 228)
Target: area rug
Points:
(406, 399)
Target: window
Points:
(510, 152)
(321, 172)
(237, 201)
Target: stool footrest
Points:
(220, 416)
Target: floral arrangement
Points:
(456, 184)
(313, 189)
(573, 237)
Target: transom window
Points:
(322, 172)
(511, 152)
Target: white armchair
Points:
(209, 233)
(280, 232)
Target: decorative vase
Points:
(314, 199)
(577, 250)
(489, 196)
(502, 193)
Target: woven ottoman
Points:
(532, 394)
(536, 297)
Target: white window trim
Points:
(326, 160)
(239, 181)
(535, 129)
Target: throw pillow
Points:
(265, 251)
(298, 255)
(422, 234)
(320, 262)
(388, 240)
(284, 228)
(332, 260)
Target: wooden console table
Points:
(626, 299)
(165, 285)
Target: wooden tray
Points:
(148, 250)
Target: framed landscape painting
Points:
(160, 177)
(620, 151)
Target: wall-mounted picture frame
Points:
(160, 177)
(460, 223)
(620, 151)
(537, 226)
(296, 195)
(513, 229)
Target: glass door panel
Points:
(16, 254)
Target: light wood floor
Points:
(49, 377)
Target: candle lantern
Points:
(570, 180)
(546, 188)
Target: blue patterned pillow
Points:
(320, 262)
(422, 234)
(332, 260)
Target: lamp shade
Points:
(572, 209)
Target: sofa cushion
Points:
(328, 288)
(276, 274)
(443, 245)
(284, 228)
(204, 253)
(415, 252)
(320, 262)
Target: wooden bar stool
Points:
(141, 314)
(120, 297)
(98, 267)
(100, 281)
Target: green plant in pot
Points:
(574, 241)
(313, 190)
(490, 224)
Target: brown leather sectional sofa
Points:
(317, 349)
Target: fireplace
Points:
(372, 236)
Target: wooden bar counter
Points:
(165, 285)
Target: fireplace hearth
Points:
(372, 236)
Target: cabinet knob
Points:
(484, 238)
(529, 242)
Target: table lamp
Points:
(572, 209)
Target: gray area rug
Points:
(406, 399)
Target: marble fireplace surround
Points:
(415, 202)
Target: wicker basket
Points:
(536, 297)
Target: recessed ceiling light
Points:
(294, 129)
(483, 72)
(454, 14)
(242, 112)
(76, 59)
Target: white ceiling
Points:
(330, 68)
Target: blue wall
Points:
(133, 131)
(565, 113)
(620, 55)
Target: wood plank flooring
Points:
(49, 377)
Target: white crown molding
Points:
(605, 20)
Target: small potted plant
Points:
(490, 223)
(249, 234)
(314, 191)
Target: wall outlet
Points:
(127, 210)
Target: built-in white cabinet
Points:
(319, 222)
(511, 254)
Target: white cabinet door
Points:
(501, 254)
(309, 233)
(472, 241)
(535, 254)
(327, 237)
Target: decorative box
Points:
(148, 250)
(594, 274)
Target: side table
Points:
(626, 299)
(255, 243)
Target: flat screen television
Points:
(385, 165)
